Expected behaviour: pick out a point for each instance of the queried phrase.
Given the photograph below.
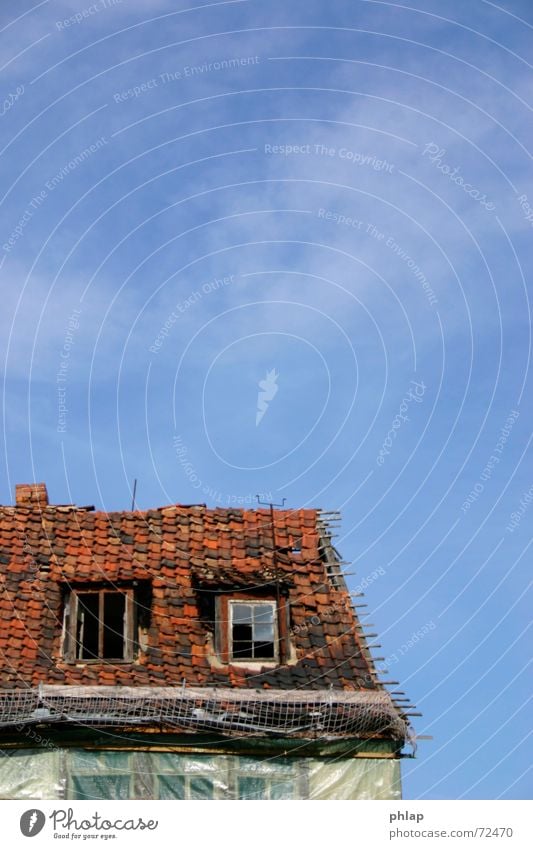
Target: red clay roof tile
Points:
(188, 554)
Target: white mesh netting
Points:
(305, 713)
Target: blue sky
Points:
(334, 200)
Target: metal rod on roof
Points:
(271, 505)
(133, 496)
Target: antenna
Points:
(270, 503)
(274, 558)
(133, 496)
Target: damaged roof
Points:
(186, 554)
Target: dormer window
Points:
(253, 630)
(99, 624)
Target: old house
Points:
(185, 652)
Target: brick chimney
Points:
(30, 494)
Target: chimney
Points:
(31, 494)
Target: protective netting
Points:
(303, 713)
(18, 706)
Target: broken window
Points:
(253, 631)
(99, 624)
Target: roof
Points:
(186, 553)
(181, 551)
(182, 557)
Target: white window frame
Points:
(253, 602)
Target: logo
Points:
(268, 389)
(32, 822)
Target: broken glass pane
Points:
(87, 626)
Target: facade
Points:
(185, 652)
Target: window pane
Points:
(114, 607)
(100, 787)
(242, 650)
(242, 633)
(281, 789)
(115, 761)
(241, 613)
(200, 787)
(87, 626)
(264, 633)
(264, 614)
(171, 786)
(263, 650)
(252, 788)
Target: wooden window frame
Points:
(224, 628)
(71, 623)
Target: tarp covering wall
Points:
(87, 774)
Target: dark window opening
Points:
(114, 622)
(100, 624)
(88, 623)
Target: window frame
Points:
(224, 619)
(71, 647)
